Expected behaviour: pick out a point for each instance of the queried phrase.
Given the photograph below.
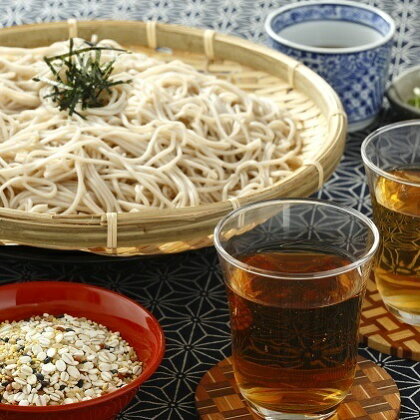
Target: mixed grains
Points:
(54, 360)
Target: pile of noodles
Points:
(170, 137)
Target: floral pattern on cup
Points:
(358, 78)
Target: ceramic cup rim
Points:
(345, 50)
(397, 98)
(367, 255)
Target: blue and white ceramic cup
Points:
(347, 43)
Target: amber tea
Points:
(396, 211)
(391, 156)
(291, 355)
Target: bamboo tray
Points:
(263, 71)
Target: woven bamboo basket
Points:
(254, 68)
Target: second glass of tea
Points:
(295, 272)
(392, 160)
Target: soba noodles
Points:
(171, 137)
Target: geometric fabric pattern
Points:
(186, 292)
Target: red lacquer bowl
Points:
(136, 324)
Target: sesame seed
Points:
(26, 370)
(73, 372)
(31, 379)
(36, 348)
(44, 341)
(19, 396)
(105, 367)
(51, 352)
(64, 377)
(11, 366)
(60, 365)
(55, 397)
(48, 368)
(20, 381)
(67, 358)
(106, 376)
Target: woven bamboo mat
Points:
(374, 395)
(383, 332)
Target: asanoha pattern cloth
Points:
(186, 291)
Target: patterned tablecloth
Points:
(185, 292)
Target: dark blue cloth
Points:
(185, 292)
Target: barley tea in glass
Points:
(295, 272)
(392, 160)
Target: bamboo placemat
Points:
(374, 395)
(383, 332)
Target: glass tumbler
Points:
(392, 160)
(295, 272)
